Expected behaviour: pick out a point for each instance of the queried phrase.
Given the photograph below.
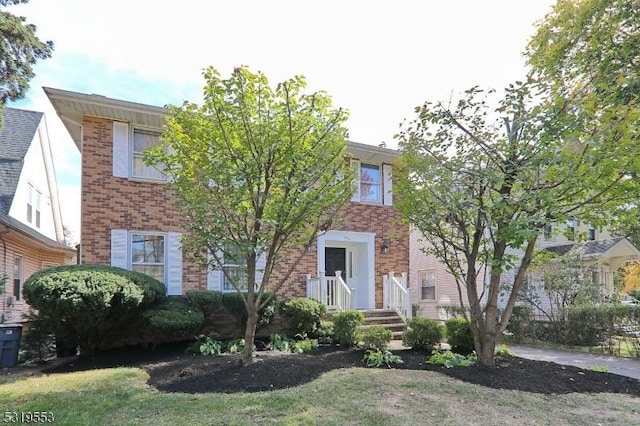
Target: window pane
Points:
(428, 285)
(429, 293)
(237, 275)
(147, 248)
(142, 170)
(369, 183)
(155, 271)
(144, 140)
(17, 278)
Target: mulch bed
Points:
(173, 370)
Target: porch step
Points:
(388, 318)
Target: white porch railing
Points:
(331, 291)
(396, 294)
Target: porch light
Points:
(384, 249)
(308, 247)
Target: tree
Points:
(482, 182)
(20, 48)
(258, 173)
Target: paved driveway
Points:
(617, 365)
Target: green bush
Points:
(84, 304)
(520, 323)
(303, 316)
(450, 359)
(304, 345)
(376, 337)
(423, 333)
(378, 358)
(205, 300)
(346, 327)
(325, 332)
(280, 343)
(176, 317)
(459, 335)
(234, 304)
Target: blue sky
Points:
(378, 59)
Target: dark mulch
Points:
(173, 370)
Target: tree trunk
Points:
(486, 355)
(250, 335)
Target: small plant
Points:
(235, 346)
(423, 333)
(304, 346)
(279, 343)
(210, 347)
(503, 350)
(346, 327)
(600, 368)
(450, 359)
(378, 358)
(325, 332)
(459, 335)
(376, 337)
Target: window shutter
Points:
(261, 262)
(119, 248)
(355, 165)
(120, 149)
(214, 279)
(174, 264)
(387, 185)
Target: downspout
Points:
(47, 156)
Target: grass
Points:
(353, 396)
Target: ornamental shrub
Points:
(205, 300)
(303, 316)
(376, 337)
(346, 327)
(176, 317)
(234, 304)
(459, 335)
(84, 304)
(423, 333)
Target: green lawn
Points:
(343, 397)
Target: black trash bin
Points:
(9, 344)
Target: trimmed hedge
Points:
(175, 316)
(346, 327)
(235, 305)
(423, 333)
(459, 335)
(83, 304)
(376, 337)
(303, 316)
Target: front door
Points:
(335, 260)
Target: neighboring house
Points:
(31, 233)
(129, 219)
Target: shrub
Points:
(234, 304)
(175, 316)
(85, 304)
(279, 343)
(376, 337)
(205, 300)
(207, 345)
(346, 327)
(450, 359)
(423, 333)
(325, 332)
(37, 343)
(520, 323)
(303, 315)
(503, 350)
(459, 335)
(378, 358)
(305, 345)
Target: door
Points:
(335, 260)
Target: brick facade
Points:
(110, 202)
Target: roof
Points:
(18, 130)
(587, 248)
(72, 107)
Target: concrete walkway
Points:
(629, 367)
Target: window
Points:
(34, 198)
(30, 191)
(17, 277)
(147, 255)
(370, 183)
(427, 284)
(143, 140)
(37, 205)
(592, 234)
(548, 232)
(234, 268)
(571, 230)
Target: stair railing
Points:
(396, 294)
(331, 291)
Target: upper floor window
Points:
(18, 271)
(142, 141)
(591, 234)
(370, 183)
(427, 284)
(34, 200)
(571, 230)
(548, 232)
(148, 255)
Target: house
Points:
(31, 232)
(129, 219)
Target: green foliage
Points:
(376, 337)
(423, 333)
(459, 335)
(378, 357)
(325, 332)
(520, 323)
(175, 316)
(304, 345)
(346, 327)
(237, 346)
(451, 359)
(503, 350)
(280, 343)
(205, 300)
(208, 346)
(259, 171)
(85, 304)
(635, 294)
(234, 303)
(600, 368)
(37, 343)
(303, 315)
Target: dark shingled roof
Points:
(19, 127)
(588, 248)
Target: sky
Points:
(377, 59)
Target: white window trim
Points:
(435, 284)
(132, 154)
(385, 184)
(379, 184)
(165, 253)
(122, 151)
